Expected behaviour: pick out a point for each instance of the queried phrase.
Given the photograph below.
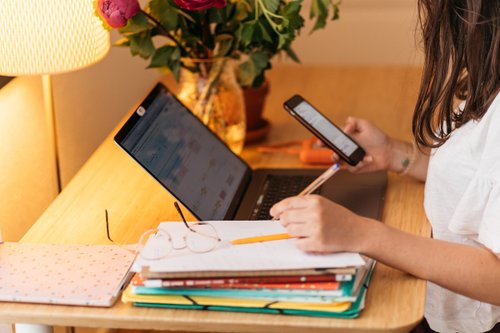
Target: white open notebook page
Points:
(272, 255)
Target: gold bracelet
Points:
(409, 161)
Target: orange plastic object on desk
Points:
(310, 151)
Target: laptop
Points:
(212, 182)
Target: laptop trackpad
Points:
(362, 193)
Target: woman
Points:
(457, 153)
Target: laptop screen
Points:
(184, 156)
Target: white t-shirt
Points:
(462, 203)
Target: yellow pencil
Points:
(258, 239)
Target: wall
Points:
(90, 102)
(377, 32)
(24, 166)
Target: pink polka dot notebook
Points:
(90, 275)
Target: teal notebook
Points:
(344, 293)
(352, 312)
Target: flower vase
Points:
(210, 90)
(257, 126)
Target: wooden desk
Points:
(111, 180)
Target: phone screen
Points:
(325, 127)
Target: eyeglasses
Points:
(155, 244)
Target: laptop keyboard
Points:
(277, 188)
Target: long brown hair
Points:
(462, 62)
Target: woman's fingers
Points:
(362, 166)
(291, 203)
(350, 125)
(335, 158)
(311, 245)
(298, 230)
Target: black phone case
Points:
(352, 159)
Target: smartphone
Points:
(331, 135)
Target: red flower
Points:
(200, 4)
(117, 12)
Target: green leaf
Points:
(257, 33)
(284, 23)
(246, 73)
(142, 45)
(336, 12)
(263, 32)
(136, 24)
(165, 13)
(247, 32)
(292, 14)
(251, 69)
(164, 55)
(292, 7)
(175, 68)
(271, 5)
(314, 11)
(319, 10)
(260, 59)
(291, 53)
(281, 41)
(258, 81)
(168, 56)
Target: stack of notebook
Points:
(269, 277)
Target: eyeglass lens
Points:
(202, 237)
(154, 244)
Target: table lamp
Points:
(44, 37)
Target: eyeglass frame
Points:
(188, 227)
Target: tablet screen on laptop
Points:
(184, 156)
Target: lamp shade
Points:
(49, 36)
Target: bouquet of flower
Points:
(252, 31)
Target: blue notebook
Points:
(351, 311)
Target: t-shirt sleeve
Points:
(489, 229)
(478, 212)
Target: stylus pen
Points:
(320, 180)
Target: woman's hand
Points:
(320, 224)
(384, 152)
(376, 144)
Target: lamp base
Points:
(50, 120)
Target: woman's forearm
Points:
(404, 152)
(467, 270)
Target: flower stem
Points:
(268, 14)
(205, 30)
(164, 31)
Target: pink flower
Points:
(117, 12)
(200, 4)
